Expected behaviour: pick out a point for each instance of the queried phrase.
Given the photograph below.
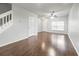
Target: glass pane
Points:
(7, 18)
(4, 19)
(58, 25)
(10, 16)
(1, 22)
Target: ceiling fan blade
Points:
(55, 16)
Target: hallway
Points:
(44, 44)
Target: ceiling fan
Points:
(52, 14)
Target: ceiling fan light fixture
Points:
(51, 17)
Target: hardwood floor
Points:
(44, 44)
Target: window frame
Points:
(58, 25)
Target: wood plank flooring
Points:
(44, 44)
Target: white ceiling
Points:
(45, 8)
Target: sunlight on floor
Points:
(43, 46)
(59, 41)
(51, 52)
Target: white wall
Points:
(46, 24)
(20, 28)
(73, 25)
(32, 25)
(39, 24)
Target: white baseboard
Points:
(14, 41)
(73, 44)
(10, 42)
(29, 36)
(55, 32)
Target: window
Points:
(7, 18)
(58, 25)
(5, 21)
(1, 22)
(10, 16)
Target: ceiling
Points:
(43, 9)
